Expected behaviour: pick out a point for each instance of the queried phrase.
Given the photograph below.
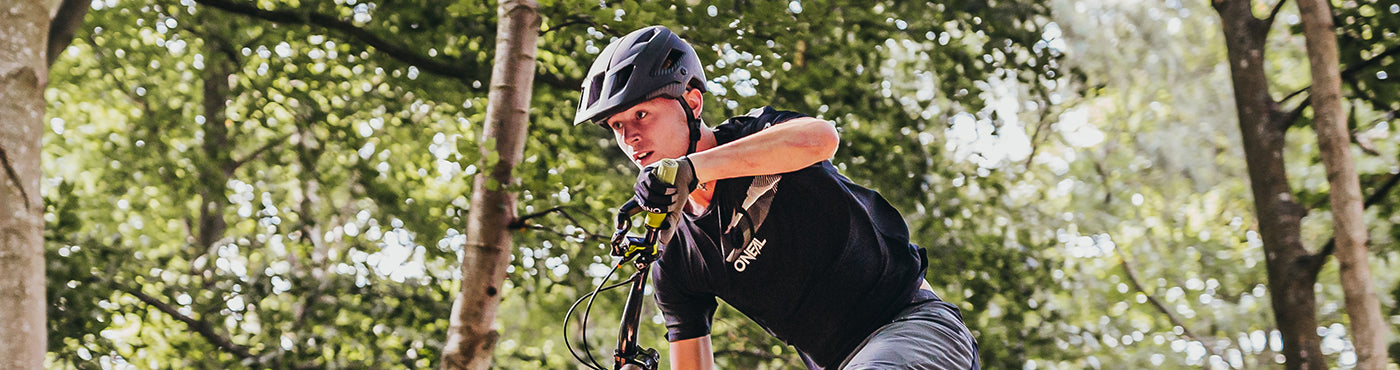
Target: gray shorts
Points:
(926, 335)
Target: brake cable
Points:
(591, 363)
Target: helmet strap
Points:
(694, 123)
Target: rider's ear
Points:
(695, 99)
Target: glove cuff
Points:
(689, 169)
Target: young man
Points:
(767, 224)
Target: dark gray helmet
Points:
(645, 64)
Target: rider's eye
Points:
(641, 114)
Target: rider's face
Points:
(650, 131)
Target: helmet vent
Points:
(619, 80)
(645, 37)
(595, 89)
(669, 65)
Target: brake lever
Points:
(626, 246)
(622, 225)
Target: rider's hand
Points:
(657, 196)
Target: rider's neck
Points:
(700, 198)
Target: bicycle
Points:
(641, 251)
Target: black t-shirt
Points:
(826, 265)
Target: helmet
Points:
(645, 64)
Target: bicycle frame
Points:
(628, 351)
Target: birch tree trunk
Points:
(1368, 329)
(471, 336)
(1262, 129)
(24, 73)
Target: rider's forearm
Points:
(786, 147)
(694, 353)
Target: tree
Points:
(317, 223)
(1262, 126)
(1293, 269)
(1368, 326)
(471, 339)
(23, 77)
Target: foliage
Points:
(317, 224)
(1174, 202)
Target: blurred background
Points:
(286, 184)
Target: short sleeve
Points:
(754, 121)
(687, 312)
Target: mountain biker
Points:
(819, 262)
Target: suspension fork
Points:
(642, 251)
(628, 350)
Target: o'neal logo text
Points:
(750, 255)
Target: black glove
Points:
(657, 196)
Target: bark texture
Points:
(472, 336)
(1368, 328)
(1262, 128)
(24, 73)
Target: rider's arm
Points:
(790, 146)
(694, 353)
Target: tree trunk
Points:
(218, 157)
(1367, 326)
(1262, 129)
(471, 336)
(24, 73)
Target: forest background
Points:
(288, 184)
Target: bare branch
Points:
(1317, 260)
(586, 235)
(1041, 128)
(465, 69)
(126, 90)
(1274, 13)
(1346, 73)
(240, 162)
(522, 222)
(562, 210)
(577, 19)
(1295, 93)
(10, 170)
(64, 24)
(1375, 59)
(1295, 113)
(1103, 174)
(1137, 284)
(199, 326)
(223, 47)
(604, 28)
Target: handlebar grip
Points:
(666, 171)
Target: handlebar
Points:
(627, 247)
(628, 355)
